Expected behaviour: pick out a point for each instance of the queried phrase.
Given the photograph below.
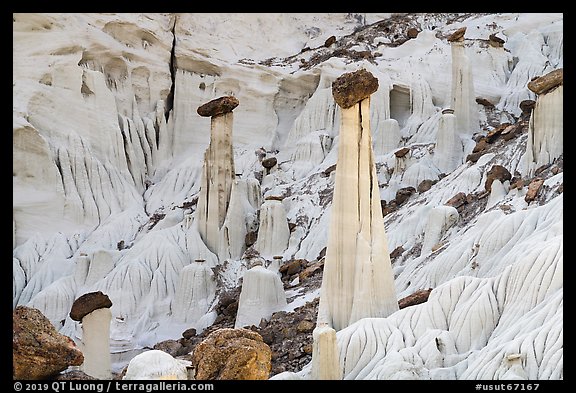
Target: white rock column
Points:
(262, 294)
(357, 280)
(388, 139)
(463, 98)
(195, 292)
(274, 232)
(325, 354)
(448, 152)
(546, 127)
(93, 310)
(218, 172)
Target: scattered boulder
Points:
(457, 200)
(171, 347)
(311, 270)
(402, 152)
(87, 303)
(269, 163)
(496, 172)
(38, 350)
(420, 296)
(251, 238)
(403, 194)
(329, 41)
(533, 189)
(543, 84)
(292, 267)
(218, 106)
(189, 333)
(484, 102)
(232, 354)
(527, 106)
(425, 185)
(412, 32)
(481, 145)
(447, 111)
(397, 252)
(473, 157)
(352, 87)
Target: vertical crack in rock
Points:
(358, 280)
(218, 172)
(170, 97)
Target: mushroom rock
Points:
(463, 98)
(232, 354)
(156, 364)
(496, 172)
(87, 303)
(357, 280)
(274, 232)
(440, 219)
(93, 311)
(262, 294)
(546, 125)
(38, 350)
(458, 35)
(448, 153)
(195, 292)
(218, 173)
(495, 41)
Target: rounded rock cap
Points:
(87, 303)
(350, 88)
(218, 106)
(543, 84)
(458, 35)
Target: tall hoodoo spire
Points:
(463, 98)
(546, 126)
(218, 172)
(358, 280)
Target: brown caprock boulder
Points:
(236, 354)
(218, 106)
(352, 87)
(545, 83)
(38, 350)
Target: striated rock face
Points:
(38, 350)
(273, 232)
(238, 354)
(351, 88)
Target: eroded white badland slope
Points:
(108, 158)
